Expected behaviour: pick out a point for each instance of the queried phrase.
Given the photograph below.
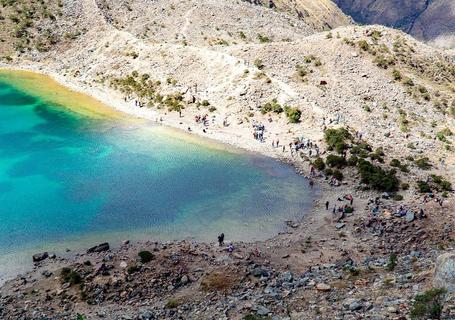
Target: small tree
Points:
(293, 114)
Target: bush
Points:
(396, 75)
(405, 186)
(319, 164)
(328, 172)
(337, 174)
(395, 163)
(132, 269)
(423, 163)
(408, 81)
(218, 281)
(392, 262)
(377, 155)
(336, 139)
(423, 186)
(262, 38)
(442, 183)
(212, 109)
(171, 304)
(429, 304)
(293, 114)
(146, 256)
(272, 106)
(71, 276)
(398, 197)
(352, 161)
(259, 64)
(363, 44)
(377, 178)
(336, 161)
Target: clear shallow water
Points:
(68, 179)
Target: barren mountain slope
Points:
(432, 21)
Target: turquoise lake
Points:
(70, 180)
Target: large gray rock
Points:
(40, 256)
(99, 248)
(444, 274)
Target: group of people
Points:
(258, 132)
(202, 119)
(430, 196)
(343, 208)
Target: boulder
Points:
(40, 256)
(99, 248)
(410, 216)
(444, 274)
(323, 287)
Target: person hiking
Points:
(221, 239)
(327, 205)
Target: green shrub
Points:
(408, 81)
(396, 75)
(328, 172)
(212, 109)
(363, 44)
(262, 38)
(442, 183)
(336, 139)
(349, 209)
(293, 114)
(423, 186)
(319, 164)
(272, 106)
(205, 103)
(132, 269)
(336, 161)
(398, 197)
(405, 186)
(395, 163)
(392, 262)
(377, 155)
(259, 64)
(384, 62)
(423, 163)
(429, 304)
(71, 276)
(146, 256)
(377, 178)
(337, 174)
(171, 304)
(352, 161)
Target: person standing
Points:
(327, 205)
(221, 239)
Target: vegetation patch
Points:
(429, 304)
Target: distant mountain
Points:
(428, 20)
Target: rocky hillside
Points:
(432, 21)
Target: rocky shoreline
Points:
(367, 267)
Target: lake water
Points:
(73, 173)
